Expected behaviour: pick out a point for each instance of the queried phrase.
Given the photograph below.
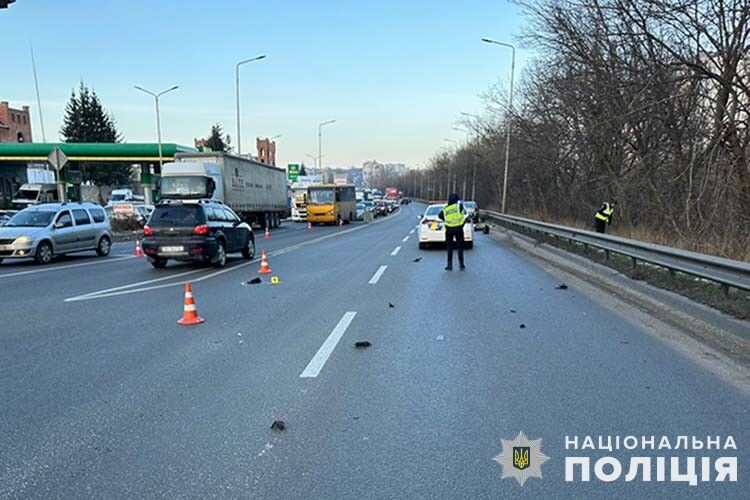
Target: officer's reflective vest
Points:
(454, 217)
(605, 213)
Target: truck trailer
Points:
(255, 191)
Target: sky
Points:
(395, 75)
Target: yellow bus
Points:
(330, 203)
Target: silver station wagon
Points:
(44, 231)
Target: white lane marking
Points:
(395, 251)
(405, 238)
(68, 266)
(316, 363)
(412, 231)
(128, 289)
(377, 275)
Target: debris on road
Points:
(278, 425)
(513, 310)
(440, 338)
(523, 325)
(417, 259)
(390, 305)
(561, 286)
(239, 334)
(254, 281)
(362, 344)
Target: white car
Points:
(432, 229)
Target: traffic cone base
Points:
(189, 311)
(138, 249)
(267, 235)
(264, 267)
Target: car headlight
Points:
(22, 240)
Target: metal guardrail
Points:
(727, 272)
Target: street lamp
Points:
(147, 189)
(320, 140)
(237, 92)
(508, 113)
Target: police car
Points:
(432, 229)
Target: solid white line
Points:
(129, 289)
(316, 363)
(377, 275)
(395, 251)
(405, 238)
(68, 266)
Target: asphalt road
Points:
(104, 395)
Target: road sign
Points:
(292, 171)
(57, 159)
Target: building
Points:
(266, 151)
(15, 124)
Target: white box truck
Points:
(255, 191)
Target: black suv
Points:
(200, 230)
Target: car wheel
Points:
(157, 262)
(221, 255)
(249, 251)
(43, 253)
(104, 246)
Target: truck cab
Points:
(191, 180)
(34, 194)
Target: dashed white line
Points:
(67, 266)
(377, 275)
(405, 238)
(316, 363)
(412, 231)
(395, 251)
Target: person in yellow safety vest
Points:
(603, 216)
(454, 216)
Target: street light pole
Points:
(508, 112)
(447, 192)
(320, 141)
(156, 96)
(237, 94)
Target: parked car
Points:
(52, 229)
(432, 229)
(195, 230)
(472, 211)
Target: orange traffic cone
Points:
(267, 235)
(189, 312)
(264, 269)
(138, 250)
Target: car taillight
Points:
(201, 230)
(147, 231)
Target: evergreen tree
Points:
(86, 120)
(217, 141)
(302, 170)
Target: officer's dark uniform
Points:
(454, 216)
(604, 216)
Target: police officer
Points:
(454, 216)
(603, 216)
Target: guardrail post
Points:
(634, 262)
(606, 254)
(672, 272)
(725, 289)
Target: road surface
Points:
(104, 395)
